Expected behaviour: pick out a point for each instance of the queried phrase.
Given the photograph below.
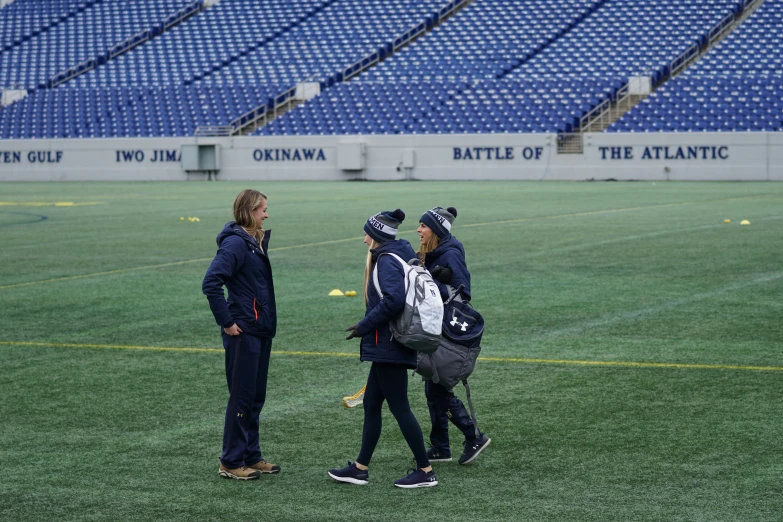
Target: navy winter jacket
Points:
(377, 344)
(244, 269)
(450, 254)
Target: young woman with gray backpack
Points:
(444, 256)
(388, 345)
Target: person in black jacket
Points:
(444, 257)
(388, 378)
(248, 321)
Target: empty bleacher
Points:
(89, 34)
(204, 44)
(529, 65)
(135, 111)
(496, 66)
(26, 19)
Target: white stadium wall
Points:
(622, 156)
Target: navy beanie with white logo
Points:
(440, 220)
(383, 225)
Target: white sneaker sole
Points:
(471, 459)
(226, 474)
(420, 485)
(442, 460)
(349, 480)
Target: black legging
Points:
(389, 382)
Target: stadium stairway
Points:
(623, 106)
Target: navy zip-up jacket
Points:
(244, 269)
(377, 344)
(450, 254)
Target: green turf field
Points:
(633, 358)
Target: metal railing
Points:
(570, 143)
(602, 115)
(259, 116)
(684, 60)
(722, 27)
(126, 45)
(602, 112)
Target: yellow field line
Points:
(627, 364)
(48, 204)
(335, 241)
(632, 364)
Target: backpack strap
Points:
(472, 411)
(454, 294)
(375, 271)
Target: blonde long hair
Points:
(368, 268)
(425, 248)
(246, 202)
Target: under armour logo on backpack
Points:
(454, 322)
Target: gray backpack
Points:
(463, 328)
(419, 325)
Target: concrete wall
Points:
(642, 156)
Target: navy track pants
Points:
(247, 366)
(444, 407)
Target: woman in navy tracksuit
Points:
(388, 378)
(248, 321)
(444, 257)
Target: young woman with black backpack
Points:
(444, 257)
(388, 378)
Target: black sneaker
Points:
(435, 455)
(350, 474)
(418, 479)
(472, 450)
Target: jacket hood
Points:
(450, 243)
(232, 229)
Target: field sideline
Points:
(632, 366)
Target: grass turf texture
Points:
(112, 379)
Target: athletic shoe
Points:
(418, 479)
(438, 456)
(265, 467)
(350, 474)
(472, 449)
(241, 473)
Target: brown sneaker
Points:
(242, 473)
(265, 467)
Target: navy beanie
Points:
(383, 225)
(440, 220)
